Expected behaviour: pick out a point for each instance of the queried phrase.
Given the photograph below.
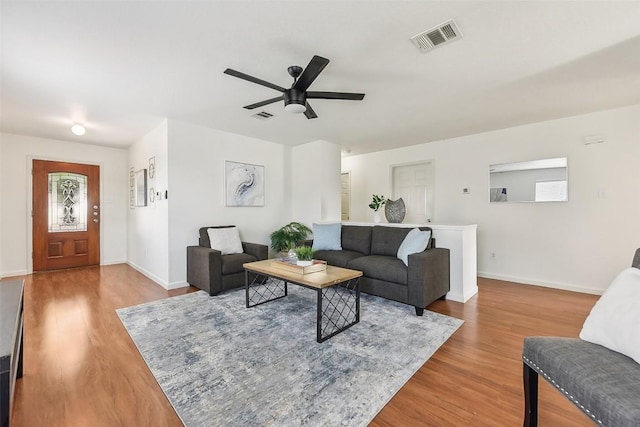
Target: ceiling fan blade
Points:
(309, 113)
(252, 79)
(263, 103)
(315, 67)
(336, 95)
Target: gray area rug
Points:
(221, 364)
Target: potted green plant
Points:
(289, 236)
(305, 255)
(376, 203)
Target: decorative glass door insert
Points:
(67, 202)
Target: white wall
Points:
(316, 182)
(580, 245)
(16, 155)
(196, 181)
(148, 236)
(1, 203)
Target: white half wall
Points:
(196, 197)
(577, 245)
(316, 182)
(16, 155)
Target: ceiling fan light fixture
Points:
(78, 129)
(295, 101)
(295, 98)
(295, 108)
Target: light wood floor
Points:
(82, 369)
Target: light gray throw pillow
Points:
(414, 242)
(225, 240)
(327, 237)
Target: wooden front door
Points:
(66, 215)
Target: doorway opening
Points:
(345, 192)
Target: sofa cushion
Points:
(232, 263)
(356, 238)
(327, 237)
(387, 240)
(225, 240)
(387, 268)
(614, 320)
(337, 258)
(416, 241)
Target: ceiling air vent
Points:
(437, 36)
(262, 115)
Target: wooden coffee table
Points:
(338, 293)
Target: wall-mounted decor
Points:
(152, 167)
(533, 181)
(244, 184)
(151, 183)
(132, 186)
(141, 187)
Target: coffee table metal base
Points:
(338, 306)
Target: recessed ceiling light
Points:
(78, 129)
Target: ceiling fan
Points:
(295, 98)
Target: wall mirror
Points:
(141, 187)
(534, 181)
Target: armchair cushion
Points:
(232, 263)
(225, 240)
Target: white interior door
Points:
(345, 183)
(414, 183)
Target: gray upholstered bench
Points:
(604, 384)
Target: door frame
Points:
(30, 159)
(417, 162)
(349, 174)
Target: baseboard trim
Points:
(178, 285)
(150, 275)
(6, 274)
(114, 262)
(534, 282)
(458, 297)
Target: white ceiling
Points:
(121, 67)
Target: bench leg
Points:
(419, 311)
(530, 380)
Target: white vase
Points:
(377, 216)
(304, 263)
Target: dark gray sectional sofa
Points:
(373, 250)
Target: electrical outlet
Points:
(466, 190)
(492, 255)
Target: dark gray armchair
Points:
(602, 383)
(209, 270)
